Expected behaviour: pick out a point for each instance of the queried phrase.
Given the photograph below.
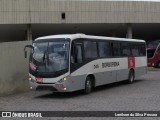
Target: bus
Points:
(153, 52)
(72, 62)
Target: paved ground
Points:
(142, 95)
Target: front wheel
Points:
(88, 86)
(131, 77)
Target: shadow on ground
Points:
(57, 95)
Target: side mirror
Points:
(25, 54)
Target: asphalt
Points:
(142, 95)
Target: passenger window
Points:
(104, 49)
(125, 49)
(90, 49)
(142, 50)
(135, 50)
(116, 51)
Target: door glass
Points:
(78, 54)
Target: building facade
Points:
(28, 19)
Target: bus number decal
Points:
(96, 66)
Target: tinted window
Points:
(142, 50)
(150, 53)
(78, 54)
(125, 49)
(116, 51)
(104, 49)
(135, 49)
(90, 49)
(138, 49)
(153, 44)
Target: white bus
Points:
(67, 63)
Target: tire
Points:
(130, 77)
(88, 86)
(158, 64)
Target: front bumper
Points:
(56, 87)
(151, 64)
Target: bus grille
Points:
(46, 88)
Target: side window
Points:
(135, 50)
(90, 49)
(142, 50)
(104, 49)
(125, 49)
(78, 54)
(116, 49)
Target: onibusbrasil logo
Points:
(21, 114)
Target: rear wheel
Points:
(88, 85)
(158, 64)
(131, 77)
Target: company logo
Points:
(6, 114)
(131, 62)
(39, 80)
(21, 114)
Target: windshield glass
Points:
(50, 56)
(153, 44)
(150, 53)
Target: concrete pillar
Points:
(129, 30)
(29, 32)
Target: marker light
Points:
(30, 78)
(64, 78)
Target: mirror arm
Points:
(29, 46)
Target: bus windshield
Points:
(152, 48)
(50, 56)
(150, 53)
(153, 44)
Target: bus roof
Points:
(74, 36)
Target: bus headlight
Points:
(29, 78)
(62, 80)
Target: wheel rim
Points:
(131, 77)
(88, 86)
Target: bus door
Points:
(76, 63)
(77, 55)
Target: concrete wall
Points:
(13, 67)
(78, 11)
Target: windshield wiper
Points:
(46, 57)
